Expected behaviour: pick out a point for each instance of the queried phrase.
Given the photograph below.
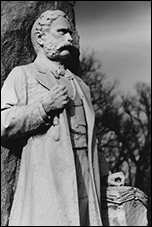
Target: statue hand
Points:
(56, 99)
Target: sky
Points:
(119, 32)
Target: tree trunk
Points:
(17, 18)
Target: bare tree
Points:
(124, 124)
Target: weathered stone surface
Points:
(17, 18)
(123, 206)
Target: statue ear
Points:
(40, 38)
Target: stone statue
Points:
(46, 109)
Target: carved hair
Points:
(43, 24)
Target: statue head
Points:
(52, 33)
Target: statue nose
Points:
(69, 37)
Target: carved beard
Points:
(53, 50)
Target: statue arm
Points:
(17, 117)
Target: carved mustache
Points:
(66, 46)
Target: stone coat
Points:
(46, 193)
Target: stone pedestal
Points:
(124, 206)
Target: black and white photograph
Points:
(75, 113)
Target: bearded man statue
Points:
(48, 110)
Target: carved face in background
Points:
(57, 41)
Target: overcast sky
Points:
(120, 34)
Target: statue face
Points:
(57, 42)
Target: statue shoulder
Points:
(18, 75)
(20, 70)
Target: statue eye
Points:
(62, 31)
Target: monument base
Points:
(124, 206)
